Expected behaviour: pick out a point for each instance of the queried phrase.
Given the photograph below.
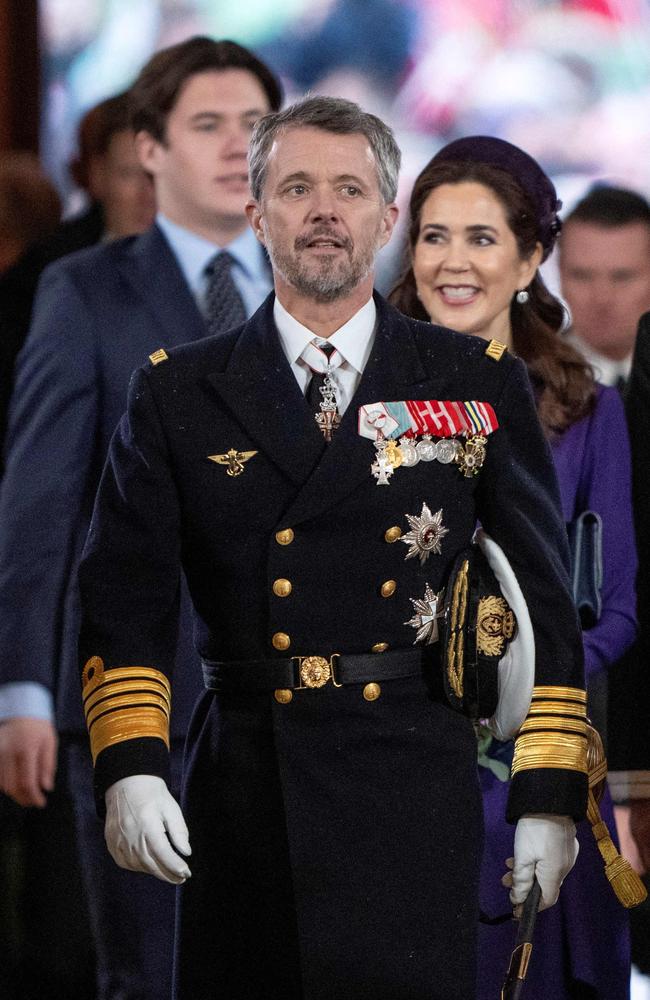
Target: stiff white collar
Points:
(353, 340)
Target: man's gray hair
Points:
(331, 114)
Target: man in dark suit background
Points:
(629, 686)
(604, 260)
(97, 314)
(330, 792)
(121, 203)
(30, 209)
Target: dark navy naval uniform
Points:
(336, 831)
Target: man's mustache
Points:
(323, 232)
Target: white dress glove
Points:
(143, 825)
(545, 847)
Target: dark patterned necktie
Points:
(314, 396)
(223, 303)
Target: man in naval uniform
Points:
(330, 792)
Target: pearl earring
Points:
(522, 297)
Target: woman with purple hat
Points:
(483, 217)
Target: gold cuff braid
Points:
(554, 734)
(124, 703)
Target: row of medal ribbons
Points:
(435, 417)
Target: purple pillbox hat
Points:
(522, 167)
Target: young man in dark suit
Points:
(330, 795)
(197, 270)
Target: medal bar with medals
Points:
(381, 423)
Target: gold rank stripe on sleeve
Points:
(124, 703)
(554, 734)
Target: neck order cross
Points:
(321, 391)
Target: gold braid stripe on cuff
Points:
(555, 750)
(558, 707)
(550, 691)
(127, 701)
(562, 725)
(124, 703)
(131, 724)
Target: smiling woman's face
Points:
(466, 261)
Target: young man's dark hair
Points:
(607, 206)
(156, 89)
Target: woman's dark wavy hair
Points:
(563, 380)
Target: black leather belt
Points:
(301, 672)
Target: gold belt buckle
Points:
(316, 671)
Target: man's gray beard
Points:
(336, 280)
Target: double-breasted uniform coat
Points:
(336, 839)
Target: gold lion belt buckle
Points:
(477, 625)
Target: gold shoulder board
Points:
(495, 350)
(162, 355)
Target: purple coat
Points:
(584, 938)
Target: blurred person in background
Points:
(629, 695)
(483, 216)
(119, 194)
(30, 209)
(98, 314)
(120, 202)
(42, 913)
(604, 258)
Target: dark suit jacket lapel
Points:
(151, 268)
(394, 366)
(261, 391)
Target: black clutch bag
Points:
(477, 626)
(586, 545)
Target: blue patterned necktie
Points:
(224, 306)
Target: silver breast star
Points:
(428, 610)
(426, 534)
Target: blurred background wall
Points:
(569, 80)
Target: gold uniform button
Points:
(371, 692)
(281, 640)
(284, 537)
(379, 647)
(282, 588)
(388, 588)
(283, 696)
(392, 534)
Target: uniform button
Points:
(283, 696)
(281, 587)
(388, 588)
(379, 647)
(392, 534)
(371, 692)
(284, 537)
(281, 640)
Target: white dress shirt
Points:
(353, 341)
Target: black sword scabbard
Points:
(514, 984)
